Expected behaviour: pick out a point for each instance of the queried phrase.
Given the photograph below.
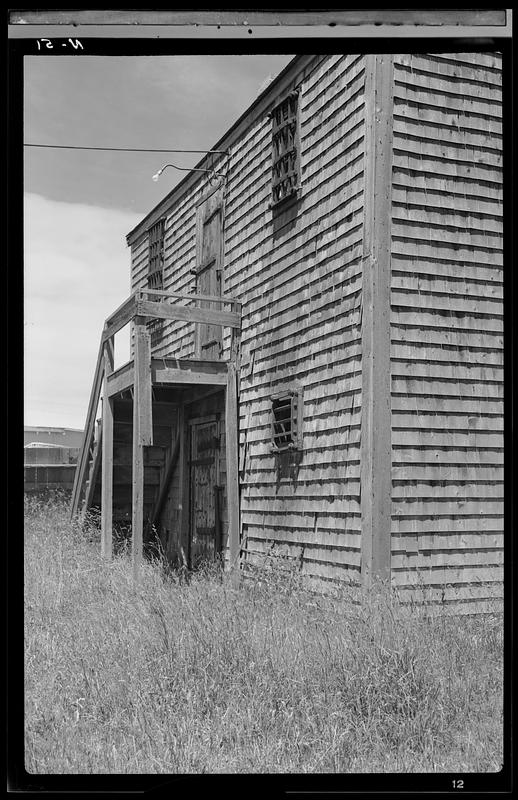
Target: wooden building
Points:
(317, 317)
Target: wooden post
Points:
(375, 453)
(184, 521)
(232, 448)
(141, 436)
(107, 457)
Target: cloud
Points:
(76, 272)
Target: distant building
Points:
(65, 437)
(50, 457)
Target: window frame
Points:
(279, 155)
(295, 398)
(156, 262)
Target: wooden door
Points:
(204, 492)
(209, 229)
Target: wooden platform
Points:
(171, 372)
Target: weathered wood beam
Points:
(141, 426)
(375, 448)
(120, 381)
(120, 318)
(232, 449)
(107, 458)
(149, 308)
(216, 298)
(94, 471)
(142, 372)
(184, 520)
(84, 454)
(169, 375)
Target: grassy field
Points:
(199, 677)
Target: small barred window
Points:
(286, 420)
(156, 273)
(285, 149)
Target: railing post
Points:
(142, 435)
(107, 457)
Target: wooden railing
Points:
(142, 305)
(149, 303)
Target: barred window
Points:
(285, 149)
(286, 413)
(155, 278)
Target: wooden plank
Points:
(375, 421)
(191, 364)
(120, 381)
(84, 455)
(195, 297)
(232, 450)
(143, 380)
(440, 473)
(433, 525)
(119, 318)
(107, 457)
(137, 490)
(183, 483)
(92, 477)
(186, 371)
(148, 308)
(451, 575)
(178, 376)
(446, 540)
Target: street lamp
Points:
(186, 169)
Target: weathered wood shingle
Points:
(446, 342)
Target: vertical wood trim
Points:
(107, 457)
(375, 452)
(137, 517)
(202, 211)
(183, 433)
(143, 377)
(232, 448)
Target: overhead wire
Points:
(120, 149)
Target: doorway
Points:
(205, 492)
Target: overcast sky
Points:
(79, 205)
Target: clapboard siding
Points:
(300, 287)
(301, 300)
(446, 327)
(299, 277)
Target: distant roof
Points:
(43, 445)
(28, 428)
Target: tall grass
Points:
(199, 677)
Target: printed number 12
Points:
(458, 784)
